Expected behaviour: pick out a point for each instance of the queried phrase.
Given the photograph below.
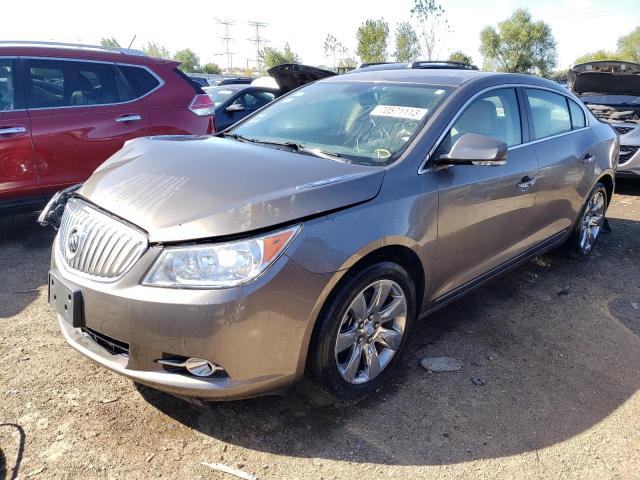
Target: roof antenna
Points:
(131, 43)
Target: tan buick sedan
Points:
(311, 236)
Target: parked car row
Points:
(64, 109)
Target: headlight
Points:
(220, 265)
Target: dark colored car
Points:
(201, 81)
(234, 102)
(611, 90)
(312, 235)
(233, 81)
(64, 109)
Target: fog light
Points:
(195, 366)
(199, 367)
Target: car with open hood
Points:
(310, 237)
(611, 90)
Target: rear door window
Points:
(9, 97)
(62, 83)
(549, 111)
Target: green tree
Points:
(598, 55)
(333, 48)
(372, 41)
(154, 50)
(460, 57)
(629, 46)
(558, 75)
(407, 43)
(211, 68)
(109, 42)
(520, 45)
(433, 24)
(272, 57)
(190, 62)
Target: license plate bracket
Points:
(66, 302)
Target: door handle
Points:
(12, 130)
(587, 159)
(526, 183)
(128, 118)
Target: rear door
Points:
(566, 151)
(485, 212)
(18, 175)
(81, 113)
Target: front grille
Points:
(113, 346)
(622, 130)
(97, 245)
(626, 152)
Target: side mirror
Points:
(474, 149)
(235, 107)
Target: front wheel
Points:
(363, 330)
(590, 223)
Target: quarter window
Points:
(139, 80)
(550, 113)
(577, 115)
(9, 100)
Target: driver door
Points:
(485, 212)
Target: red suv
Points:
(64, 109)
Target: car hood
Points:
(189, 188)
(291, 75)
(605, 77)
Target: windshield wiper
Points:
(292, 146)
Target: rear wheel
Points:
(363, 330)
(589, 226)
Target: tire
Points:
(351, 311)
(589, 225)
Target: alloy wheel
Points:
(371, 331)
(592, 221)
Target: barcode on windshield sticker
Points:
(410, 113)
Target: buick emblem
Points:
(73, 242)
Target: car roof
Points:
(78, 52)
(442, 77)
(236, 87)
(445, 77)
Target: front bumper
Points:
(257, 332)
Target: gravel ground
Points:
(553, 346)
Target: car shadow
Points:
(546, 356)
(4, 466)
(25, 249)
(628, 186)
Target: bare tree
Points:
(433, 25)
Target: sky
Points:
(579, 26)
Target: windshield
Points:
(219, 95)
(369, 123)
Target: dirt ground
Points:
(556, 344)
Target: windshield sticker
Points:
(410, 113)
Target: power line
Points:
(227, 39)
(258, 39)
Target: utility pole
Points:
(258, 40)
(227, 39)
